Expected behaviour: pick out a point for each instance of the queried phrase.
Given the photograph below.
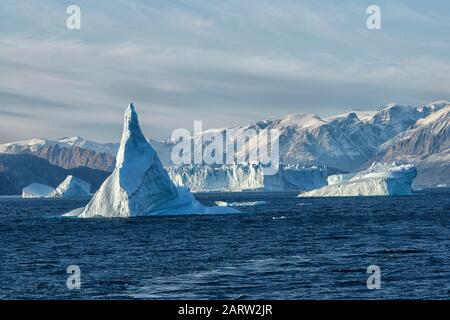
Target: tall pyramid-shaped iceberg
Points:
(139, 185)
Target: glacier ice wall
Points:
(218, 178)
(296, 178)
(240, 177)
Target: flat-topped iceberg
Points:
(72, 187)
(381, 179)
(139, 185)
(37, 190)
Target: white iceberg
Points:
(240, 204)
(380, 179)
(139, 185)
(37, 190)
(72, 187)
(340, 178)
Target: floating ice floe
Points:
(37, 190)
(240, 204)
(380, 179)
(139, 185)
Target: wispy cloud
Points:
(226, 63)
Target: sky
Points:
(225, 63)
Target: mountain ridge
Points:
(426, 144)
(347, 141)
(19, 170)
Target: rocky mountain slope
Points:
(18, 171)
(344, 142)
(77, 152)
(347, 142)
(426, 145)
(74, 157)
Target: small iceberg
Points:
(37, 190)
(240, 204)
(380, 179)
(72, 187)
(139, 185)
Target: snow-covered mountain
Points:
(67, 153)
(346, 141)
(426, 145)
(33, 145)
(76, 152)
(20, 170)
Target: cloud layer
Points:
(223, 62)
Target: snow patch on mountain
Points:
(365, 116)
(302, 120)
(77, 141)
(33, 145)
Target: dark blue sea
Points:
(289, 248)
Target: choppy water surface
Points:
(288, 248)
